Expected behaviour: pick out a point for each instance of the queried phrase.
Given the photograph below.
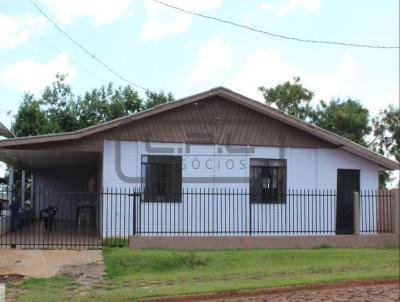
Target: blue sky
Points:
(159, 48)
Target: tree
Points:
(346, 118)
(155, 99)
(291, 98)
(387, 137)
(59, 110)
(58, 103)
(30, 118)
(387, 132)
(106, 103)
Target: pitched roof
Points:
(227, 94)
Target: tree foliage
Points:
(30, 119)
(387, 137)
(291, 98)
(59, 110)
(387, 132)
(347, 118)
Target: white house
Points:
(213, 163)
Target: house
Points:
(171, 170)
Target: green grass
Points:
(46, 290)
(133, 274)
(115, 242)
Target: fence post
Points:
(356, 204)
(396, 213)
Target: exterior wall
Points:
(220, 167)
(63, 188)
(306, 168)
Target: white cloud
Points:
(162, 21)
(339, 84)
(267, 67)
(262, 68)
(285, 7)
(213, 58)
(102, 11)
(17, 29)
(30, 75)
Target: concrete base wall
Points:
(248, 242)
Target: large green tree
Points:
(106, 103)
(386, 130)
(31, 118)
(347, 118)
(290, 97)
(58, 109)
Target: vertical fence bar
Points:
(250, 216)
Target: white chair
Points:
(83, 216)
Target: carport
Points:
(52, 186)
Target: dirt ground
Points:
(376, 293)
(48, 263)
(354, 291)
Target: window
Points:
(267, 180)
(162, 178)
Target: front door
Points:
(348, 182)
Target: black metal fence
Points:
(377, 211)
(45, 218)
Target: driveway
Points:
(45, 263)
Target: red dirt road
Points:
(354, 291)
(376, 293)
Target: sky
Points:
(159, 48)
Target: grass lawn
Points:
(133, 274)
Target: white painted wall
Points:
(307, 169)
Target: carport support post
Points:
(32, 188)
(356, 200)
(23, 185)
(10, 184)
